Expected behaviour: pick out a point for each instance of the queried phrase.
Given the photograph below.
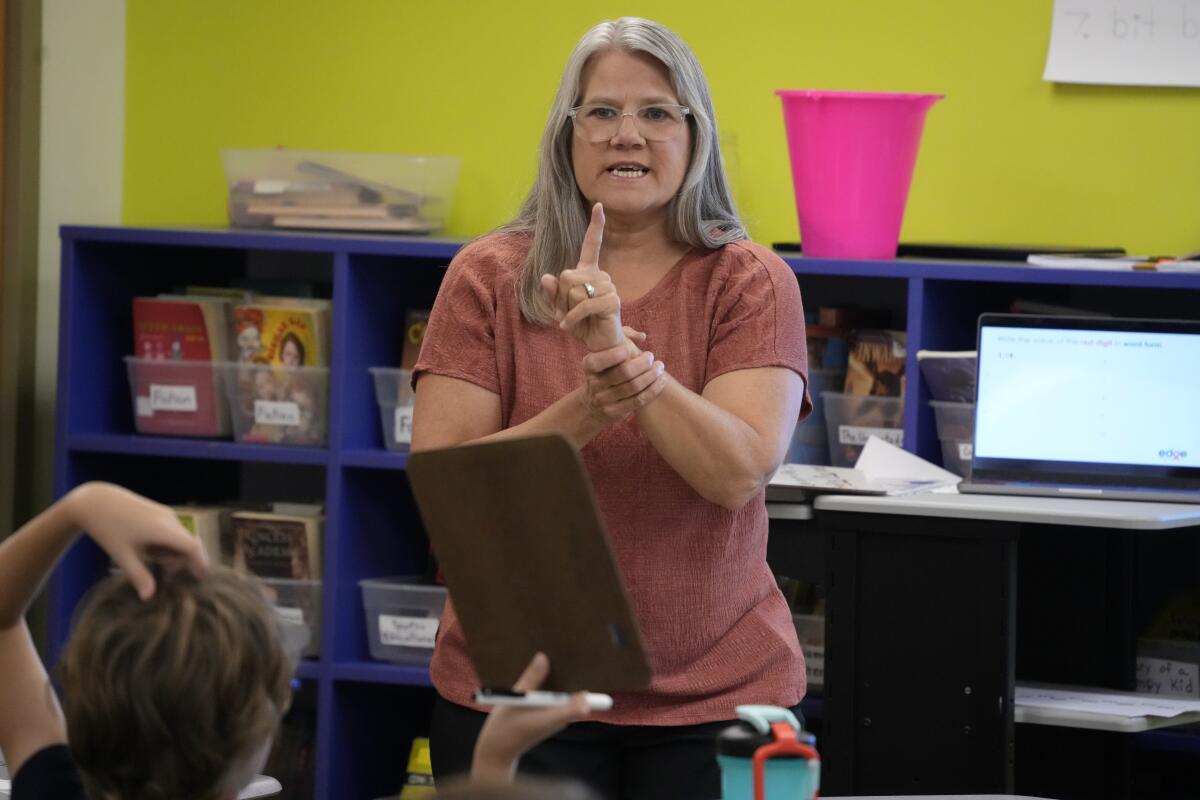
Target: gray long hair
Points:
(556, 214)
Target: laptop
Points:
(1087, 407)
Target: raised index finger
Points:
(589, 254)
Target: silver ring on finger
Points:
(590, 290)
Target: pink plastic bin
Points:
(852, 162)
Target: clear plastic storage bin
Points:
(178, 398)
(810, 442)
(278, 405)
(393, 392)
(810, 630)
(382, 192)
(851, 419)
(297, 603)
(402, 617)
(956, 431)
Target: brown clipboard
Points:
(516, 530)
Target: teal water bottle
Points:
(766, 756)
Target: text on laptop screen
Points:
(1103, 397)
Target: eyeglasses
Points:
(655, 123)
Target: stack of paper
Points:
(1101, 709)
(881, 468)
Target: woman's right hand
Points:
(620, 380)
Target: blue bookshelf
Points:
(367, 711)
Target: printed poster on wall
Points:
(1127, 42)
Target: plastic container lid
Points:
(741, 740)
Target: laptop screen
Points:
(1110, 401)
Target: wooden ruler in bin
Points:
(526, 558)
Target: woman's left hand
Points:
(621, 380)
(584, 299)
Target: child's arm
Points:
(132, 530)
(510, 731)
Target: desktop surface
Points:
(1016, 508)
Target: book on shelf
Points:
(212, 525)
(881, 469)
(273, 545)
(298, 509)
(341, 178)
(950, 375)
(415, 322)
(876, 363)
(282, 331)
(233, 294)
(302, 193)
(826, 336)
(379, 211)
(274, 287)
(388, 223)
(277, 402)
(177, 390)
(181, 328)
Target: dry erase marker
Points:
(501, 697)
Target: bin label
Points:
(276, 412)
(1164, 676)
(172, 398)
(293, 616)
(814, 664)
(407, 631)
(403, 424)
(964, 451)
(858, 435)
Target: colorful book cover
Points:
(212, 526)
(277, 545)
(876, 363)
(415, 322)
(177, 390)
(170, 329)
(287, 332)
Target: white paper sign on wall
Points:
(1126, 42)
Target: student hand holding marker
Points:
(512, 730)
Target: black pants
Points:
(619, 762)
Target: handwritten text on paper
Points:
(1126, 42)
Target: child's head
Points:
(177, 697)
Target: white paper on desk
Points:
(1179, 266)
(1125, 42)
(1117, 704)
(1118, 263)
(882, 468)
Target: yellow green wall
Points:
(1006, 157)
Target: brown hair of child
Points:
(173, 697)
